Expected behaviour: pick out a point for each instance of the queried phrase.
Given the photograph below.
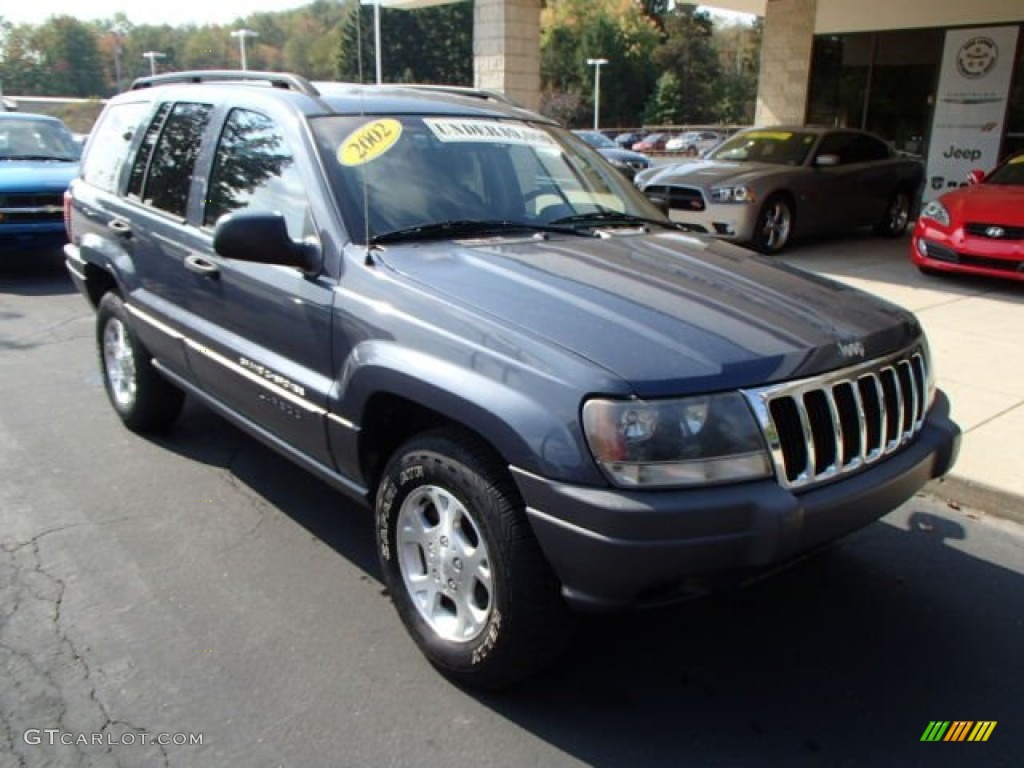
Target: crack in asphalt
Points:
(50, 675)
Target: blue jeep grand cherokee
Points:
(459, 314)
(38, 159)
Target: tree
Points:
(23, 71)
(70, 56)
(688, 53)
(429, 45)
(617, 30)
(666, 105)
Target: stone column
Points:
(785, 62)
(506, 49)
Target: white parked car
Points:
(694, 143)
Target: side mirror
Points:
(826, 160)
(262, 238)
(976, 176)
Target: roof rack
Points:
(283, 80)
(459, 90)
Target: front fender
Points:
(530, 419)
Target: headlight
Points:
(737, 194)
(672, 443)
(936, 211)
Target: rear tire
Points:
(145, 400)
(465, 573)
(897, 215)
(774, 226)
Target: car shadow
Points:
(34, 274)
(841, 660)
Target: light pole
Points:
(241, 34)
(153, 56)
(596, 64)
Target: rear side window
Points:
(169, 174)
(113, 138)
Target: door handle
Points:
(202, 266)
(120, 227)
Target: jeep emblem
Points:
(995, 232)
(851, 349)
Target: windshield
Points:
(1012, 173)
(391, 174)
(776, 147)
(22, 139)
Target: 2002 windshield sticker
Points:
(369, 141)
(487, 132)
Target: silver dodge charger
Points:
(765, 186)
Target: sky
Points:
(174, 12)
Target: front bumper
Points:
(734, 221)
(613, 548)
(934, 248)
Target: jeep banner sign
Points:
(970, 106)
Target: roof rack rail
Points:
(283, 80)
(459, 90)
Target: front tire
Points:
(897, 215)
(774, 225)
(460, 562)
(145, 400)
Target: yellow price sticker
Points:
(370, 141)
(778, 135)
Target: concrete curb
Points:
(985, 498)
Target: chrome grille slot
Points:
(837, 423)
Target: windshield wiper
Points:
(599, 218)
(441, 230)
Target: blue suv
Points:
(461, 316)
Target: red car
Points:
(978, 228)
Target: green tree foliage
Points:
(666, 105)
(429, 45)
(66, 50)
(617, 30)
(666, 62)
(688, 53)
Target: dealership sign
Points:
(970, 107)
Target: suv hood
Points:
(36, 175)
(705, 173)
(669, 313)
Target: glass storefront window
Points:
(882, 82)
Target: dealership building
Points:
(939, 78)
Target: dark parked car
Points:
(764, 186)
(978, 229)
(627, 161)
(38, 159)
(549, 395)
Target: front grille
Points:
(30, 208)
(835, 424)
(678, 198)
(941, 253)
(987, 231)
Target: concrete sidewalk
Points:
(974, 327)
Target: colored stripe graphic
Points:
(958, 730)
(982, 730)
